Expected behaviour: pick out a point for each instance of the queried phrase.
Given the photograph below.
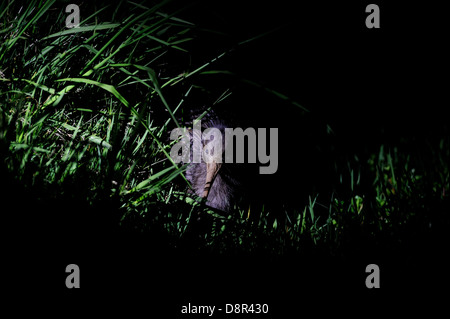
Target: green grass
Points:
(85, 115)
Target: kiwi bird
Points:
(213, 180)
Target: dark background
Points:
(371, 86)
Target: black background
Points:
(370, 85)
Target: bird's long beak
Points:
(211, 172)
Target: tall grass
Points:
(87, 105)
(85, 114)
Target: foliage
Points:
(85, 114)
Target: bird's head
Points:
(213, 152)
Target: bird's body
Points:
(223, 190)
(216, 180)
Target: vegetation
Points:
(84, 121)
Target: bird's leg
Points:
(211, 172)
